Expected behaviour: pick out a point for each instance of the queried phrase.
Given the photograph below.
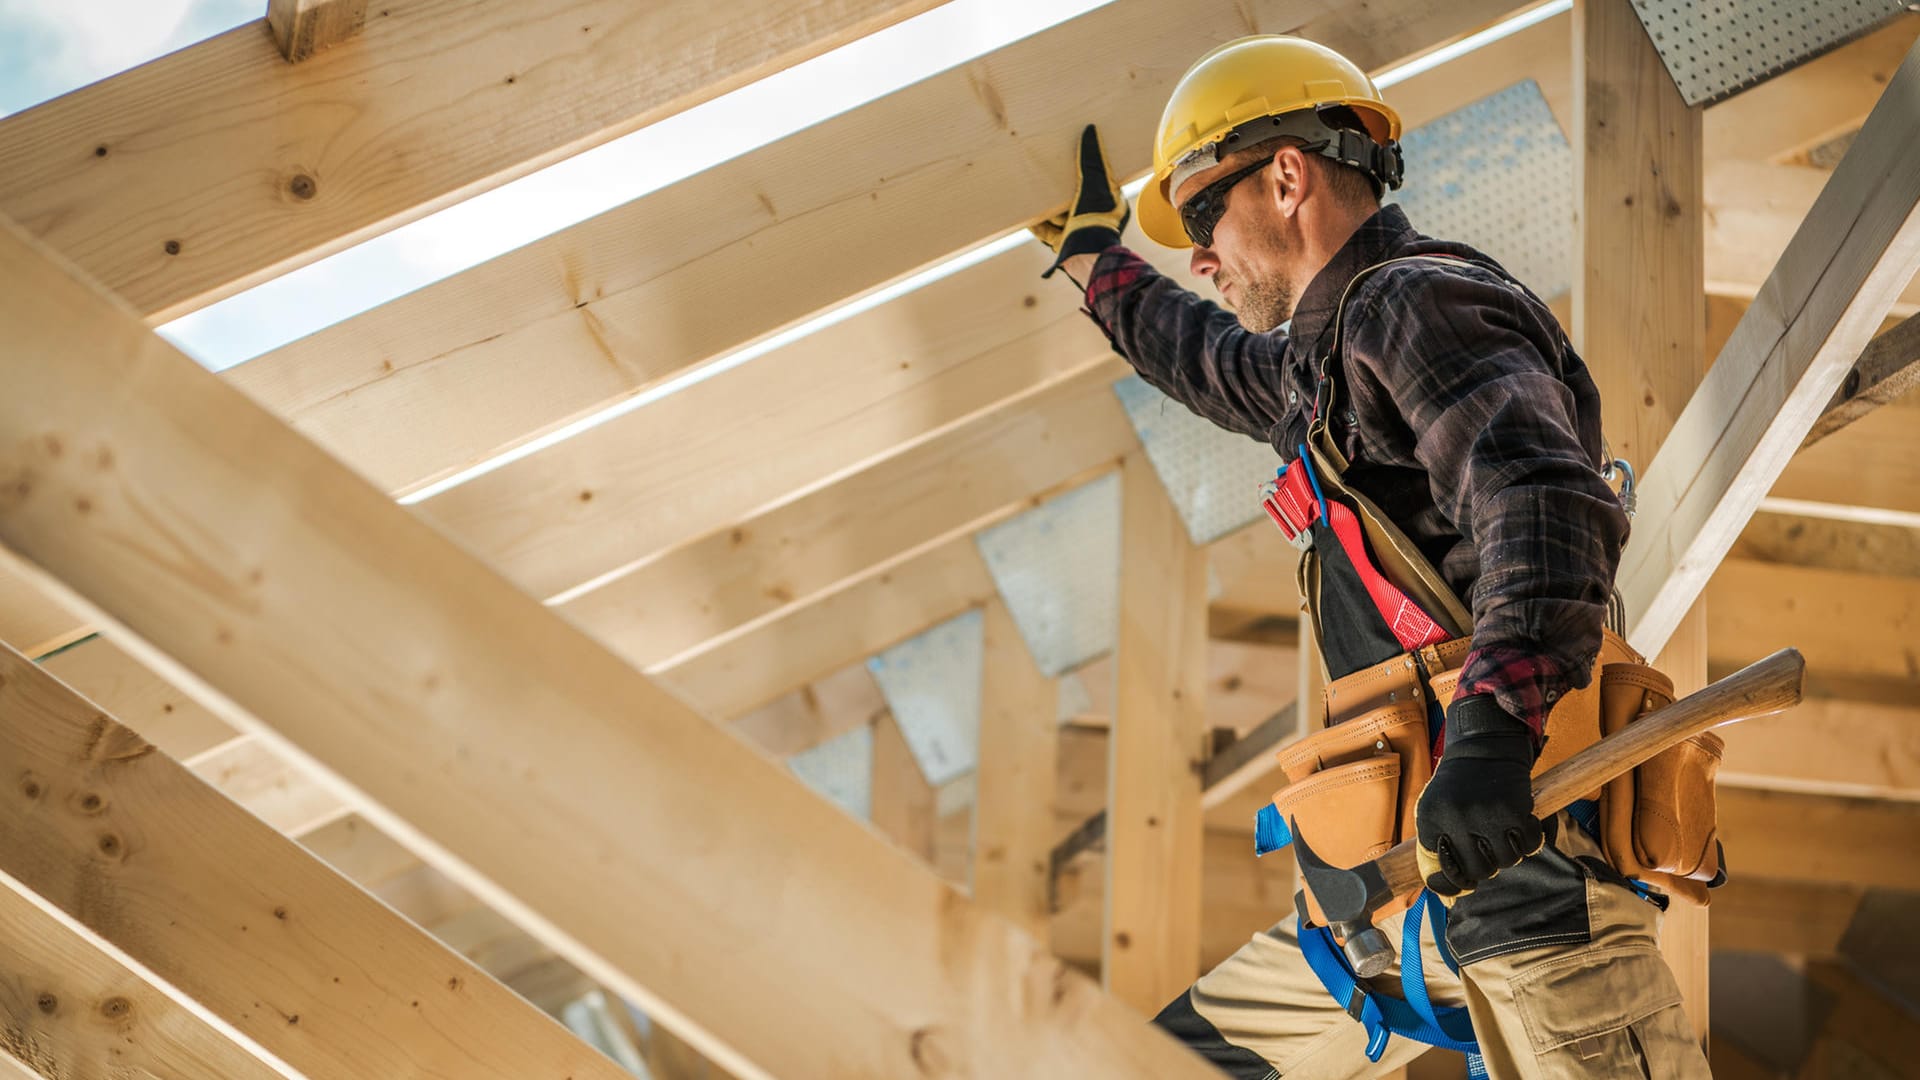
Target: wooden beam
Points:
(824, 407)
(690, 599)
(1846, 624)
(786, 223)
(1013, 804)
(1150, 949)
(70, 1007)
(1858, 246)
(1889, 368)
(847, 626)
(252, 583)
(1639, 306)
(172, 721)
(1825, 544)
(273, 789)
(1788, 836)
(210, 170)
(304, 27)
(126, 842)
(1753, 211)
(1829, 747)
(902, 800)
(1874, 464)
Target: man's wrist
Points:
(1480, 719)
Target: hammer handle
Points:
(1768, 686)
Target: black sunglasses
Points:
(1201, 213)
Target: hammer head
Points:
(1348, 899)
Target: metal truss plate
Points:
(1058, 568)
(1212, 475)
(1716, 48)
(932, 684)
(1497, 174)
(841, 769)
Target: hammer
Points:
(1348, 898)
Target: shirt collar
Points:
(1377, 238)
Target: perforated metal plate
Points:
(1497, 174)
(1716, 48)
(1212, 475)
(1058, 568)
(841, 769)
(932, 684)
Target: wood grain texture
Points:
(1832, 286)
(69, 1008)
(1151, 948)
(601, 310)
(209, 170)
(1013, 801)
(127, 842)
(1888, 369)
(256, 576)
(304, 27)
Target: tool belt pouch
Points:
(1658, 822)
(1352, 786)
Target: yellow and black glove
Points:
(1093, 221)
(1475, 817)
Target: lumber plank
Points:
(821, 709)
(252, 582)
(1870, 464)
(599, 311)
(692, 598)
(903, 801)
(304, 27)
(125, 841)
(844, 627)
(1150, 947)
(1794, 917)
(210, 170)
(1888, 369)
(1013, 802)
(273, 789)
(1837, 279)
(1826, 746)
(70, 1008)
(767, 432)
(1639, 306)
(1753, 211)
(1845, 624)
(1869, 843)
(164, 716)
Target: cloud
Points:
(97, 38)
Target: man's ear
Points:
(1292, 179)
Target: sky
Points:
(50, 47)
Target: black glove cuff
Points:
(1090, 240)
(1480, 716)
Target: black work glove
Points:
(1475, 818)
(1092, 222)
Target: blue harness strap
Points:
(1413, 1016)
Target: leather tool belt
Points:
(1353, 784)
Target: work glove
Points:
(1475, 818)
(1092, 222)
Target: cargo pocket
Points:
(1611, 1012)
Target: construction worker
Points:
(1456, 405)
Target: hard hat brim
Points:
(1159, 220)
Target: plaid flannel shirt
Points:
(1465, 412)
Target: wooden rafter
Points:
(304, 27)
(1857, 248)
(126, 842)
(1888, 369)
(252, 582)
(192, 177)
(498, 354)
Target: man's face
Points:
(1256, 242)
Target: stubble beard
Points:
(1264, 305)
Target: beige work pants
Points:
(1607, 1008)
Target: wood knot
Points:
(302, 187)
(47, 1003)
(928, 1053)
(115, 1007)
(110, 845)
(171, 247)
(89, 803)
(1122, 940)
(31, 787)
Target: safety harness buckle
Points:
(1293, 502)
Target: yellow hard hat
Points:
(1220, 99)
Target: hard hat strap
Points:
(1344, 145)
